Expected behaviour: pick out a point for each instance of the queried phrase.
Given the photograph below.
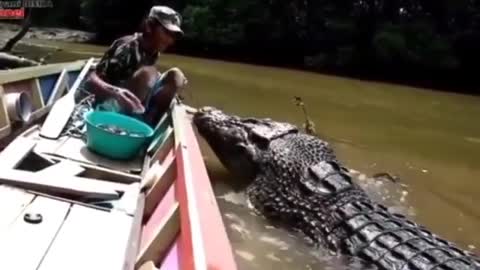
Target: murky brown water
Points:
(430, 139)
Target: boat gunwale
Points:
(33, 72)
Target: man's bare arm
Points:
(103, 89)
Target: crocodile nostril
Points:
(206, 109)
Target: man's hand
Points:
(128, 100)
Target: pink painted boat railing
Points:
(182, 227)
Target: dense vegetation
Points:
(430, 42)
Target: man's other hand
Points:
(129, 101)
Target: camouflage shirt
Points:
(123, 58)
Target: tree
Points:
(27, 22)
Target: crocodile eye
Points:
(240, 148)
(250, 120)
(259, 140)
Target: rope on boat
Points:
(75, 126)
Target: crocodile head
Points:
(238, 142)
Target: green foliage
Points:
(228, 23)
(323, 34)
(63, 13)
(198, 22)
(113, 18)
(203, 25)
(414, 44)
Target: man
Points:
(126, 73)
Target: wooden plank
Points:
(172, 260)
(148, 266)
(4, 131)
(121, 177)
(191, 238)
(4, 119)
(155, 223)
(97, 207)
(162, 176)
(90, 239)
(60, 87)
(17, 130)
(46, 158)
(37, 99)
(93, 171)
(24, 244)
(155, 248)
(61, 169)
(155, 170)
(160, 229)
(72, 77)
(151, 176)
(79, 186)
(45, 146)
(47, 83)
(16, 200)
(204, 240)
(146, 165)
(18, 149)
(37, 71)
(16, 152)
(37, 114)
(219, 253)
(178, 118)
(135, 234)
(165, 146)
(158, 130)
(75, 149)
(128, 201)
(163, 120)
(63, 108)
(29, 131)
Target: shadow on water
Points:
(429, 139)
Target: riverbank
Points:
(8, 30)
(40, 45)
(448, 81)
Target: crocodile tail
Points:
(391, 241)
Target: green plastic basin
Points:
(113, 145)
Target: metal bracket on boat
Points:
(33, 218)
(19, 106)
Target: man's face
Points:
(162, 38)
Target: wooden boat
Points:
(64, 207)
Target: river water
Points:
(429, 139)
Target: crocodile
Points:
(296, 180)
